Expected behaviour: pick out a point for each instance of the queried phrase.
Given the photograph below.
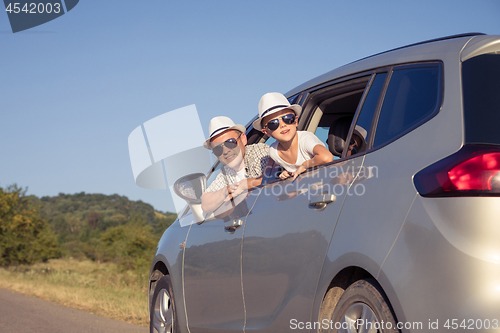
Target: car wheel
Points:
(327, 306)
(163, 314)
(363, 307)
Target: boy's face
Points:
(232, 157)
(284, 132)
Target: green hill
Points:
(82, 225)
(98, 211)
(104, 227)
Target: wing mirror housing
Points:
(191, 188)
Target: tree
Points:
(131, 245)
(93, 219)
(24, 236)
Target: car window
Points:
(481, 87)
(294, 99)
(331, 109)
(364, 121)
(412, 95)
(270, 141)
(322, 133)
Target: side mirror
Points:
(191, 188)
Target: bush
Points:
(131, 245)
(25, 237)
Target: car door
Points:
(292, 222)
(411, 96)
(286, 238)
(212, 271)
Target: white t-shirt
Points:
(306, 144)
(240, 175)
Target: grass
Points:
(94, 287)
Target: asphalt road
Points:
(20, 313)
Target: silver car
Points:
(400, 233)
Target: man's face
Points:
(232, 157)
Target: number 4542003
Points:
(471, 324)
(33, 8)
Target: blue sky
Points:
(73, 89)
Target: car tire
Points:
(363, 303)
(162, 318)
(328, 306)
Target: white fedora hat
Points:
(221, 124)
(362, 133)
(271, 103)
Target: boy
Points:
(295, 151)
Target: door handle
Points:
(319, 202)
(231, 226)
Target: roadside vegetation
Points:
(88, 251)
(98, 288)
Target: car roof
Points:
(434, 49)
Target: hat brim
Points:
(294, 107)
(239, 128)
(362, 137)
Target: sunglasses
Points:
(229, 144)
(288, 119)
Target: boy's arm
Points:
(321, 156)
(252, 182)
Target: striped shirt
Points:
(256, 157)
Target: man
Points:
(243, 165)
(358, 142)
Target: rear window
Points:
(412, 96)
(481, 93)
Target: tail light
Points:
(472, 171)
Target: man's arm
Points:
(210, 201)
